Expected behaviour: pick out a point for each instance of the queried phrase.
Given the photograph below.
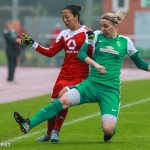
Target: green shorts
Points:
(107, 97)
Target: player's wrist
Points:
(35, 45)
(96, 65)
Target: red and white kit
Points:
(73, 70)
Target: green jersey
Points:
(110, 54)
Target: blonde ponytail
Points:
(115, 18)
(119, 16)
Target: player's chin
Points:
(67, 25)
(105, 33)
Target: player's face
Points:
(108, 28)
(69, 19)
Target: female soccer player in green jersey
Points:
(103, 83)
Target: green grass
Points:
(3, 59)
(133, 127)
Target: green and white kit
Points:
(105, 89)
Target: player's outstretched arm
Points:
(50, 52)
(140, 63)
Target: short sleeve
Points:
(96, 34)
(131, 50)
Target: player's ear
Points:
(116, 25)
(77, 17)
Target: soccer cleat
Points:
(43, 138)
(107, 137)
(55, 136)
(24, 123)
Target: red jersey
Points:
(71, 42)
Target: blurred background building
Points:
(39, 18)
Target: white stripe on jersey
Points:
(67, 33)
(130, 46)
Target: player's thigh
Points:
(61, 82)
(70, 98)
(86, 89)
(59, 85)
(109, 101)
(63, 91)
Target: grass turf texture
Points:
(133, 127)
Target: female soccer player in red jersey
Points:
(73, 70)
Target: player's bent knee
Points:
(65, 101)
(108, 129)
(109, 123)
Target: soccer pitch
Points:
(82, 127)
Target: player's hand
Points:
(100, 69)
(18, 40)
(27, 41)
(91, 35)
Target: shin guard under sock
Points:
(60, 117)
(51, 124)
(46, 113)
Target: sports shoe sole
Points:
(18, 120)
(54, 141)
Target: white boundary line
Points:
(74, 121)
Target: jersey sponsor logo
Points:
(71, 44)
(71, 51)
(109, 49)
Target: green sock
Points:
(114, 132)
(46, 113)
